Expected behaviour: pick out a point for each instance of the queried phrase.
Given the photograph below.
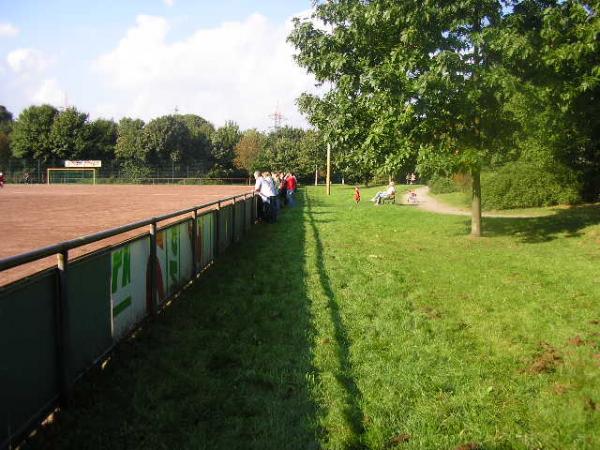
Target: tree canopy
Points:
(432, 80)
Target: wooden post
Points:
(194, 243)
(316, 175)
(62, 329)
(328, 181)
(153, 268)
(217, 231)
(233, 239)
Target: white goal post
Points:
(68, 175)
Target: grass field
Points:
(346, 327)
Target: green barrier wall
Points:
(28, 368)
(205, 242)
(108, 293)
(88, 312)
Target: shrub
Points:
(442, 185)
(523, 184)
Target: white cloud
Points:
(169, 3)
(49, 92)
(238, 71)
(27, 60)
(8, 30)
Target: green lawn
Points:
(347, 327)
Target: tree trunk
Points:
(476, 204)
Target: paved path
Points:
(429, 203)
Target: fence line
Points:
(60, 322)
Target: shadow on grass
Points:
(353, 413)
(564, 223)
(228, 365)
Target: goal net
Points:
(62, 175)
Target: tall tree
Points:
(167, 140)
(551, 51)
(248, 149)
(201, 131)
(407, 77)
(129, 144)
(224, 140)
(30, 137)
(103, 137)
(70, 135)
(6, 120)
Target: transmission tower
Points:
(277, 118)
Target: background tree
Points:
(201, 131)
(248, 149)
(70, 136)
(6, 120)
(103, 137)
(167, 140)
(30, 137)
(224, 140)
(407, 77)
(551, 50)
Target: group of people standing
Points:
(274, 190)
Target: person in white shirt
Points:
(265, 190)
(391, 190)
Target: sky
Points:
(220, 59)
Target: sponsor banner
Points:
(83, 164)
(128, 285)
(174, 251)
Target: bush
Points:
(442, 185)
(525, 185)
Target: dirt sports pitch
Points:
(34, 216)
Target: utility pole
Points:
(328, 169)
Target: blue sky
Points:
(223, 59)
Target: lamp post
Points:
(328, 169)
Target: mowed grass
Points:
(366, 327)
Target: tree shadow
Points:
(228, 365)
(352, 411)
(563, 223)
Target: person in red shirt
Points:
(2, 180)
(356, 195)
(291, 184)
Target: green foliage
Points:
(523, 184)
(5, 152)
(30, 137)
(129, 144)
(248, 149)
(6, 120)
(167, 139)
(224, 140)
(103, 138)
(71, 135)
(442, 185)
(134, 170)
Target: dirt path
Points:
(429, 203)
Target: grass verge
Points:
(363, 327)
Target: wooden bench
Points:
(391, 199)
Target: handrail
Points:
(24, 258)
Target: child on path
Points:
(356, 195)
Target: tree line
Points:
(48, 135)
(459, 86)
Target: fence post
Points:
(194, 243)
(153, 268)
(217, 229)
(62, 327)
(233, 230)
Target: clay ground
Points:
(34, 216)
